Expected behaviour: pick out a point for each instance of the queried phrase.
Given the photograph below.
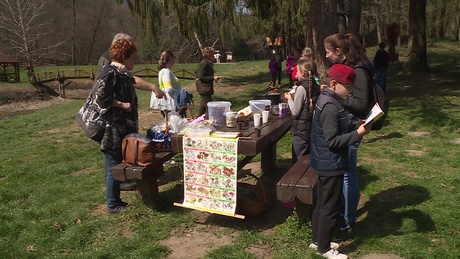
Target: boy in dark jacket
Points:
(330, 138)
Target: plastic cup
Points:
(231, 119)
(265, 116)
(257, 119)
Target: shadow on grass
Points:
(365, 177)
(385, 137)
(388, 210)
(425, 96)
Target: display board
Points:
(210, 174)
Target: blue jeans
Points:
(112, 186)
(381, 78)
(351, 185)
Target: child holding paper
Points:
(301, 105)
(330, 138)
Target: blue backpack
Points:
(182, 98)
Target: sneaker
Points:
(334, 254)
(170, 162)
(119, 209)
(347, 226)
(314, 245)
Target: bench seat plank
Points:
(146, 177)
(298, 182)
(305, 185)
(286, 187)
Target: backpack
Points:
(379, 96)
(182, 98)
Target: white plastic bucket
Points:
(259, 105)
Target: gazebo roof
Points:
(7, 59)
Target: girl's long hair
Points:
(349, 45)
(308, 66)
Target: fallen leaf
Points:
(31, 248)
(58, 226)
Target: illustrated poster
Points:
(210, 166)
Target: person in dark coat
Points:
(205, 78)
(128, 185)
(381, 59)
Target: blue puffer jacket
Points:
(322, 157)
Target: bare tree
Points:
(26, 26)
(377, 20)
(74, 24)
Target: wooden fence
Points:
(63, 75)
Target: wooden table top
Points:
(249, 144)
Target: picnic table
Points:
(249, 144)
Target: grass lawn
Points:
(52, 201)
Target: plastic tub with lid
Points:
(217, 111)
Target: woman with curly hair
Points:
(113, 92)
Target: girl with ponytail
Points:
(167, 82)
(301, 102)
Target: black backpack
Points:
(379, 96)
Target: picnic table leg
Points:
(148, 188)
(268, 159)
(304, 211)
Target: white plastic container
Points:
(217, 111)
(259, 105)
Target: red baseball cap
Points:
(342, 74)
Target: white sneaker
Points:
(334, 254)
(334, 245)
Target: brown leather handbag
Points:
(137, 150)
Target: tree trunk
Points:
(74, 24)
(417, 59)
(377, 21)
(442, 20)
(342, 23)
(95, 32)
(322, 19)
(354, 17)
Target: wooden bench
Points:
(297, 183)
(146, 177)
